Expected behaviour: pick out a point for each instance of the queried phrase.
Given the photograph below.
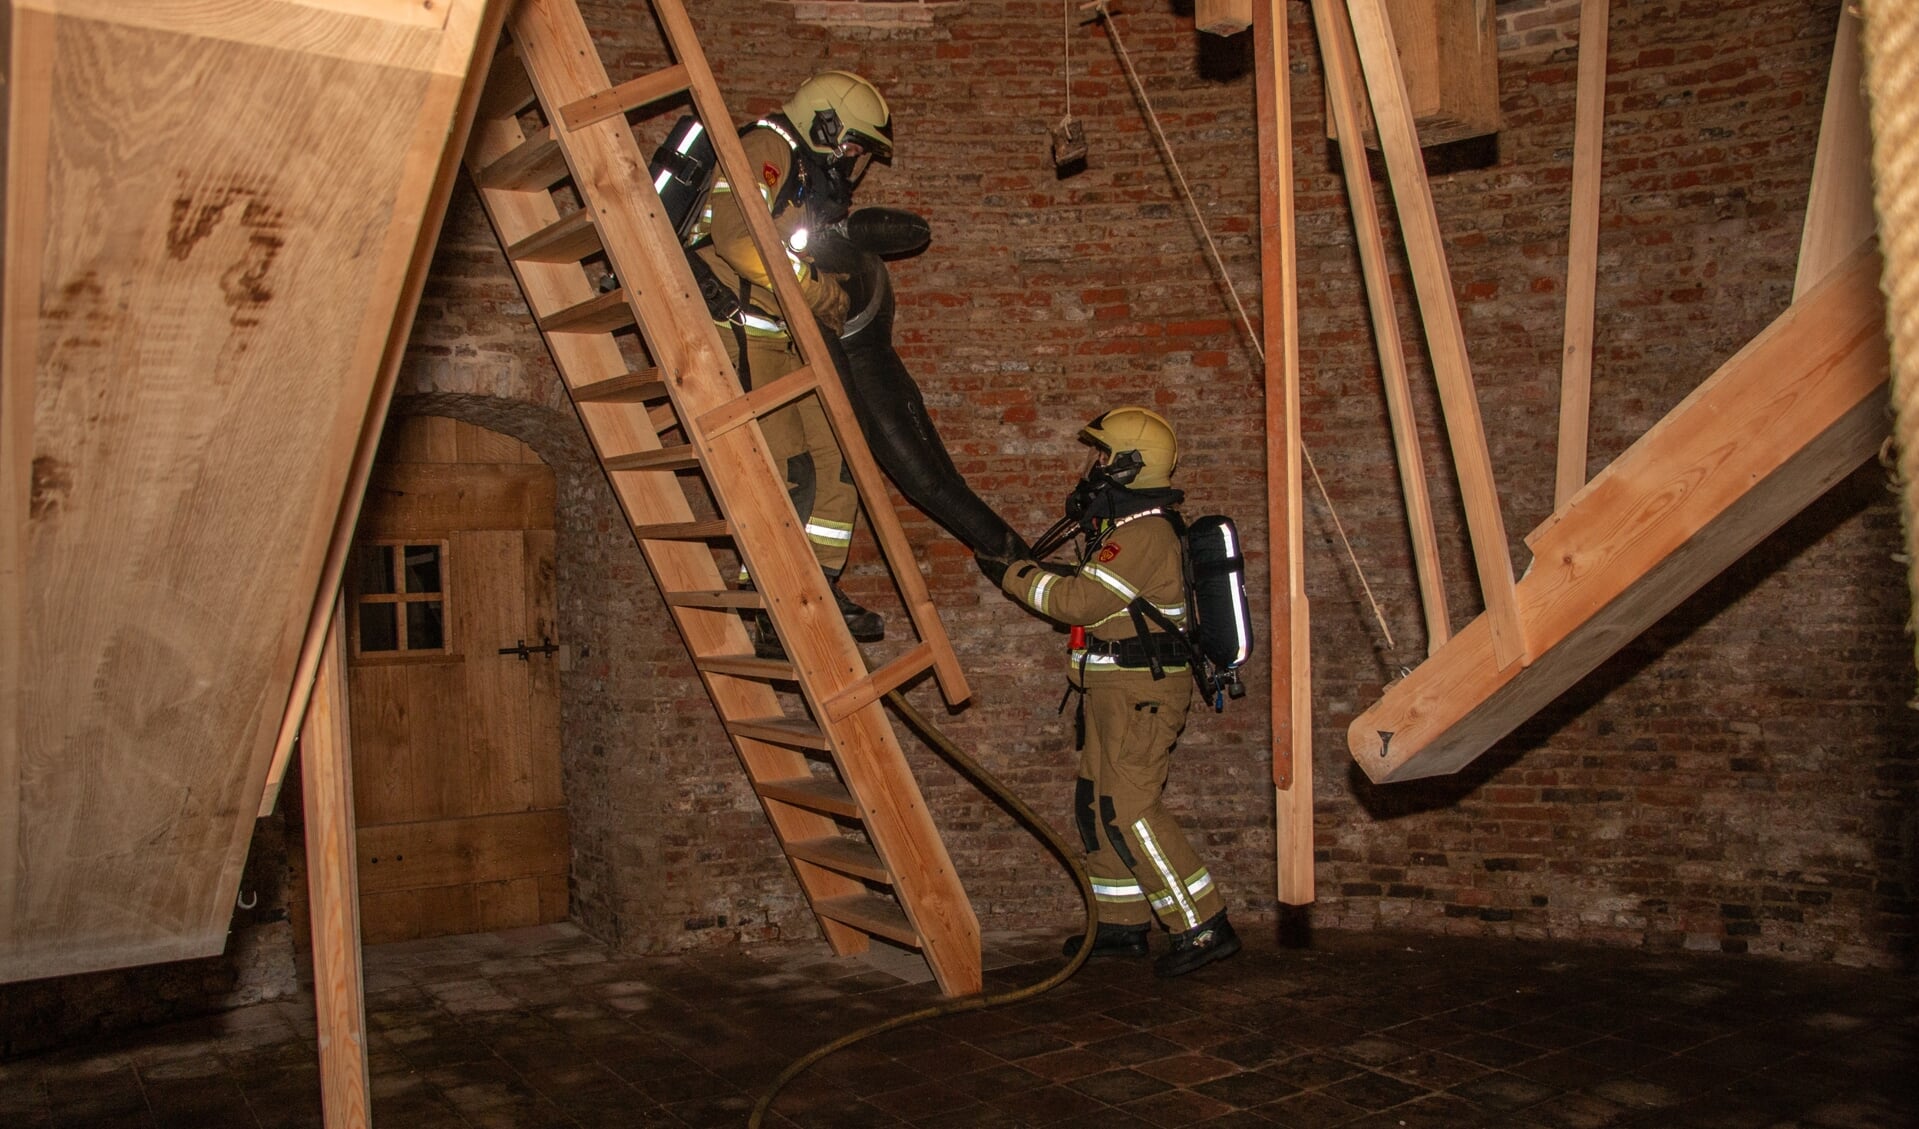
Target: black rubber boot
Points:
(1210, 940)
(1110, 941)
(866, 625)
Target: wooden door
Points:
(456, 746)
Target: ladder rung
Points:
(683, 531)
(536, 162)
(814, 793)
(734, 598)
(632, 93)
(678, 457)
(602, 313)
(632, 388)
(509, 89)
(848, 856)
(568, 239)
(747, 666)
(799, 732)
(870, 913)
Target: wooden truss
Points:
(1794, 411)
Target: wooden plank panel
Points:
(487, 591)
(435, 499)
(383, 783)
(1793, 412)
(476, 444)
(543, 673)
(26, 95)
(437, 737)
(206, 353)
(460, 852)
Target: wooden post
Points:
(1582, 255)
(1279, 286)
(1342, 87)
(333, 889)
(1445, 339)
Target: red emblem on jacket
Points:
(1107, 554)
(770, 175)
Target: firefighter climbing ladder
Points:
(566, 185)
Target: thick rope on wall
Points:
(1891, 30)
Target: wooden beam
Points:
(1445, 338)
(1291, 697)
(339, 988)
(1582, 255)
(1343, 89)
(1839, 209)
(1223, 17)
(1793, 412)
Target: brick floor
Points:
(545, 1028)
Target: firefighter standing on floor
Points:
(808, 158)
(1134, 688)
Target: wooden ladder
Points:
(566, 186)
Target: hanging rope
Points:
(1891, 38)
(1219, 265)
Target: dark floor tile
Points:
(1046, 1105)
(1312, 1071)
(1117, 1087)
(1139, 1046)
(1502, 1091)
(1247, 1089)
(1493, 1051)
(1311, 1110)
(1375, 1091)
(1177, 1108)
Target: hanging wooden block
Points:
(1449, 52)
(1223, 17)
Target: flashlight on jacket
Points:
(1076, 638)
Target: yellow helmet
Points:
(1136, 430)
(844, 117)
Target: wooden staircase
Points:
(566, 186)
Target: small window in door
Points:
(399, 599)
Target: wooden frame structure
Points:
(1807, 396)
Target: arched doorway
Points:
(453, 685)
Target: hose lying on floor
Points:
(992, 787)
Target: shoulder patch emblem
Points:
(770, 175)
(1107, 554)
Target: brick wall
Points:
(1742, 778)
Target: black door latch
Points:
(546, 647)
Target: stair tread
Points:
(837, 852)
(815, 793)
(630, 388)
(537, 162)
(798, 731)
(683, 531)
(747, 666)
(736, 598)
(568, 239)
(601, 313)
(870, 913)
(680, 456)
